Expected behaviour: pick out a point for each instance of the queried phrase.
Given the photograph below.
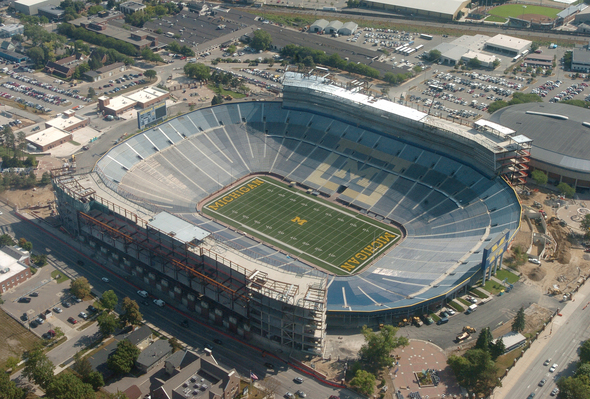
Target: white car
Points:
(535, 261)
(106, 280)
(450, 311)
(553, 368)
(83, 315)
(142, 294)
(159, 302)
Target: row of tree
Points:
(72, 32)
(541, 179)
(476, 370)
(577, 386)
(178, 49)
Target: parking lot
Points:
(30, 301)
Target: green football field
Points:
(517, 10)
(312, 229)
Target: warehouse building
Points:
(12, 56)
(486, 60)
(507, 45)
(31, 7)
(318, 26)
(348, 28)
(581, 60)
(453, 52)
(52, 12)
(68, 122)
(436, 9)
(141, 99)
(539, 60)
(49, 138)
(333, 27)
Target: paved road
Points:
(559, 343)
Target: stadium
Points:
(331, 207)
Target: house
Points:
(190, 372)
(14, 267)
(105, 72)
(63, 68)
(153, 355)
(6, 45)
(140, 337)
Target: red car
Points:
(72, 320)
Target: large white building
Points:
(508, 45)
(436, 9)
(31, 7)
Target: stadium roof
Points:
(443, 7)
(177, 227)
(556, 140)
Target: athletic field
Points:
(517, 10)
(307, 227)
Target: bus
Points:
(398, 49)
(425, 37)
(410, 51)
(401, 50)
(419, 47)
(525, 52)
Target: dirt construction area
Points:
(15, 338)
(564, 261)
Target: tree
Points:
(484, 340)
(150, 74)
(474, 63)
(37, 55)
(107, 324)
(91, 92)
(539, 177)
(573, 388)
(8, 388)
(496, 63)
(378, 346)
(584, 224)
(124, 357)
(130, 314)
(5, 239)
(95, 379)
(261, 40)
(585, 352)
(197, 71)
(68, 386)
(176, 346)
(353, 3)
(82, 366)
(475, 371)
(497, 349)
(364, 382)
(217, 99)
(566, 189)
(11, 363)
(583, 370)
(80, 287)
(519, 321)
(434, 55)
(109, 300)
(38, 367)
(45, 178)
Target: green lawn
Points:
(493, 287)
(456, 306)
(478, 293)
(493, 18)
(503, 273)
(307, 227)
(463, 301)
(224, 92)
(62, 277)
(516, 10)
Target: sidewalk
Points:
(530, 355)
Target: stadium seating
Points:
(448, 210)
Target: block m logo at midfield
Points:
(299, 221)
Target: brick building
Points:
(14, 267)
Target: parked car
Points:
(83, 315)
(72, 320)
(34, 294)
(298, 380)
(24, 299)
(57, 310)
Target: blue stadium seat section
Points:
(449, 211)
